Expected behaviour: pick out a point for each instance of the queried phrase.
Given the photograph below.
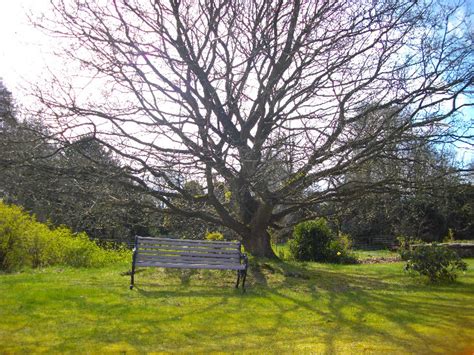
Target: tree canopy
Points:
(277, 100)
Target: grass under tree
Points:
(288, 307)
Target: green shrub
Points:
(281, 254)
(405, 244)
(340, 251)
(449, 238)
(25, 242)
(311, 240)
(214, 236)
(314, 241)
(437, 262)
(345, 240)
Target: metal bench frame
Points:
(189, 254)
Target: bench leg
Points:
(132, 276)
(244, 272)
(134, 260)
(132, 280)
(238, 279)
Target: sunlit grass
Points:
(374, 254)
(288, 307)
(282, 250)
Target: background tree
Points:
(92, 195)
(7, 108)
(433, 198)
(210, 86)
(80, 184)
(20, 143)
(193, 228)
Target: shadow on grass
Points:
(288, 307)
(154, 291)
(408, 305)
(390, 307)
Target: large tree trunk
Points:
(256, 214)
(259, 245)
(258, 242)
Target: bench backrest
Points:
(169, 252)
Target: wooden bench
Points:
(189, 254)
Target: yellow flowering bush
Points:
(25, 242)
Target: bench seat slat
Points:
(189, 259)
(159, 253)
(189, 249)
(197, 246)
(194, 245)
(185, 241)
(192, 266)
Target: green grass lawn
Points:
(283, 251)
(364, 255)
(310, 308)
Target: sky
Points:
(22, 47)
(24, 52)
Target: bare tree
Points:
(7, 108)
(215, 91)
